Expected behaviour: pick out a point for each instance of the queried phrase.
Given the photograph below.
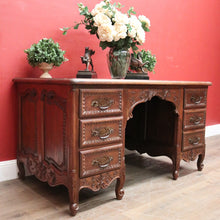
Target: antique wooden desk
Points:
(74, 131)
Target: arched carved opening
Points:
(152, 129)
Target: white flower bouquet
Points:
(113, 28)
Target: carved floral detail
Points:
(101, 181)
(30, 94)
(192, 154)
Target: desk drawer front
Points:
(100, 160)
(194, 119)
(100, 131)
(195, 98)
(193, 140)
(100, 102)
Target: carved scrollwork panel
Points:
(142, 95)
(192, 154)
(101, 181)
(42, 170)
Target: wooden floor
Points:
(150, 193)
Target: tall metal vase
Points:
(118, 63)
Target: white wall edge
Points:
(212, 130)
(9, 170)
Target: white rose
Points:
(106, 32)
(134, 22)
(144, 19)
(121, 18)
(140, 35)
(120, 31)
(100, 19)
(98, 9)
(132, 33)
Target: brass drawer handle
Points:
(195, 120)
(196, 99)
(103, 133)
(102, 103)
(102, 162)
(194, 140)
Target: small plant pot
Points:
(45, 67)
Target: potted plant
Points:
(45, 54)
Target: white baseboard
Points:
(9, 170)
(212, 130)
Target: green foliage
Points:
(46, 50)
(131, 11)
(147, 57)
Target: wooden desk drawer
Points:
(100, 102)
(194, 119)
(100, 131)
(100, 160)
(193, 139)
(195, 98)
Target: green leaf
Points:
(134, 47)
(131, 11)
(103, 44)
(143, 24)
(76, 26)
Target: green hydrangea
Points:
(46, 50)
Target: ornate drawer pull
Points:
(102, 133)
(194, 140)
(102, 162)
(195, 120)
(102, 103)
(196, 99)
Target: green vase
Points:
(118, 63)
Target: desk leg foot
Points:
(74, 200)
(119, 187)
(74, 208)
(176, 166)
(200, 164)
(175, 174)
(21, 170)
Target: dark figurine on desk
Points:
(87, 59)
(137, 65)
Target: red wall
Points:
(184, 36)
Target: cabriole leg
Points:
(176, 166)
(119, 186)
(200, 164)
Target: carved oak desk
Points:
(74, 131)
